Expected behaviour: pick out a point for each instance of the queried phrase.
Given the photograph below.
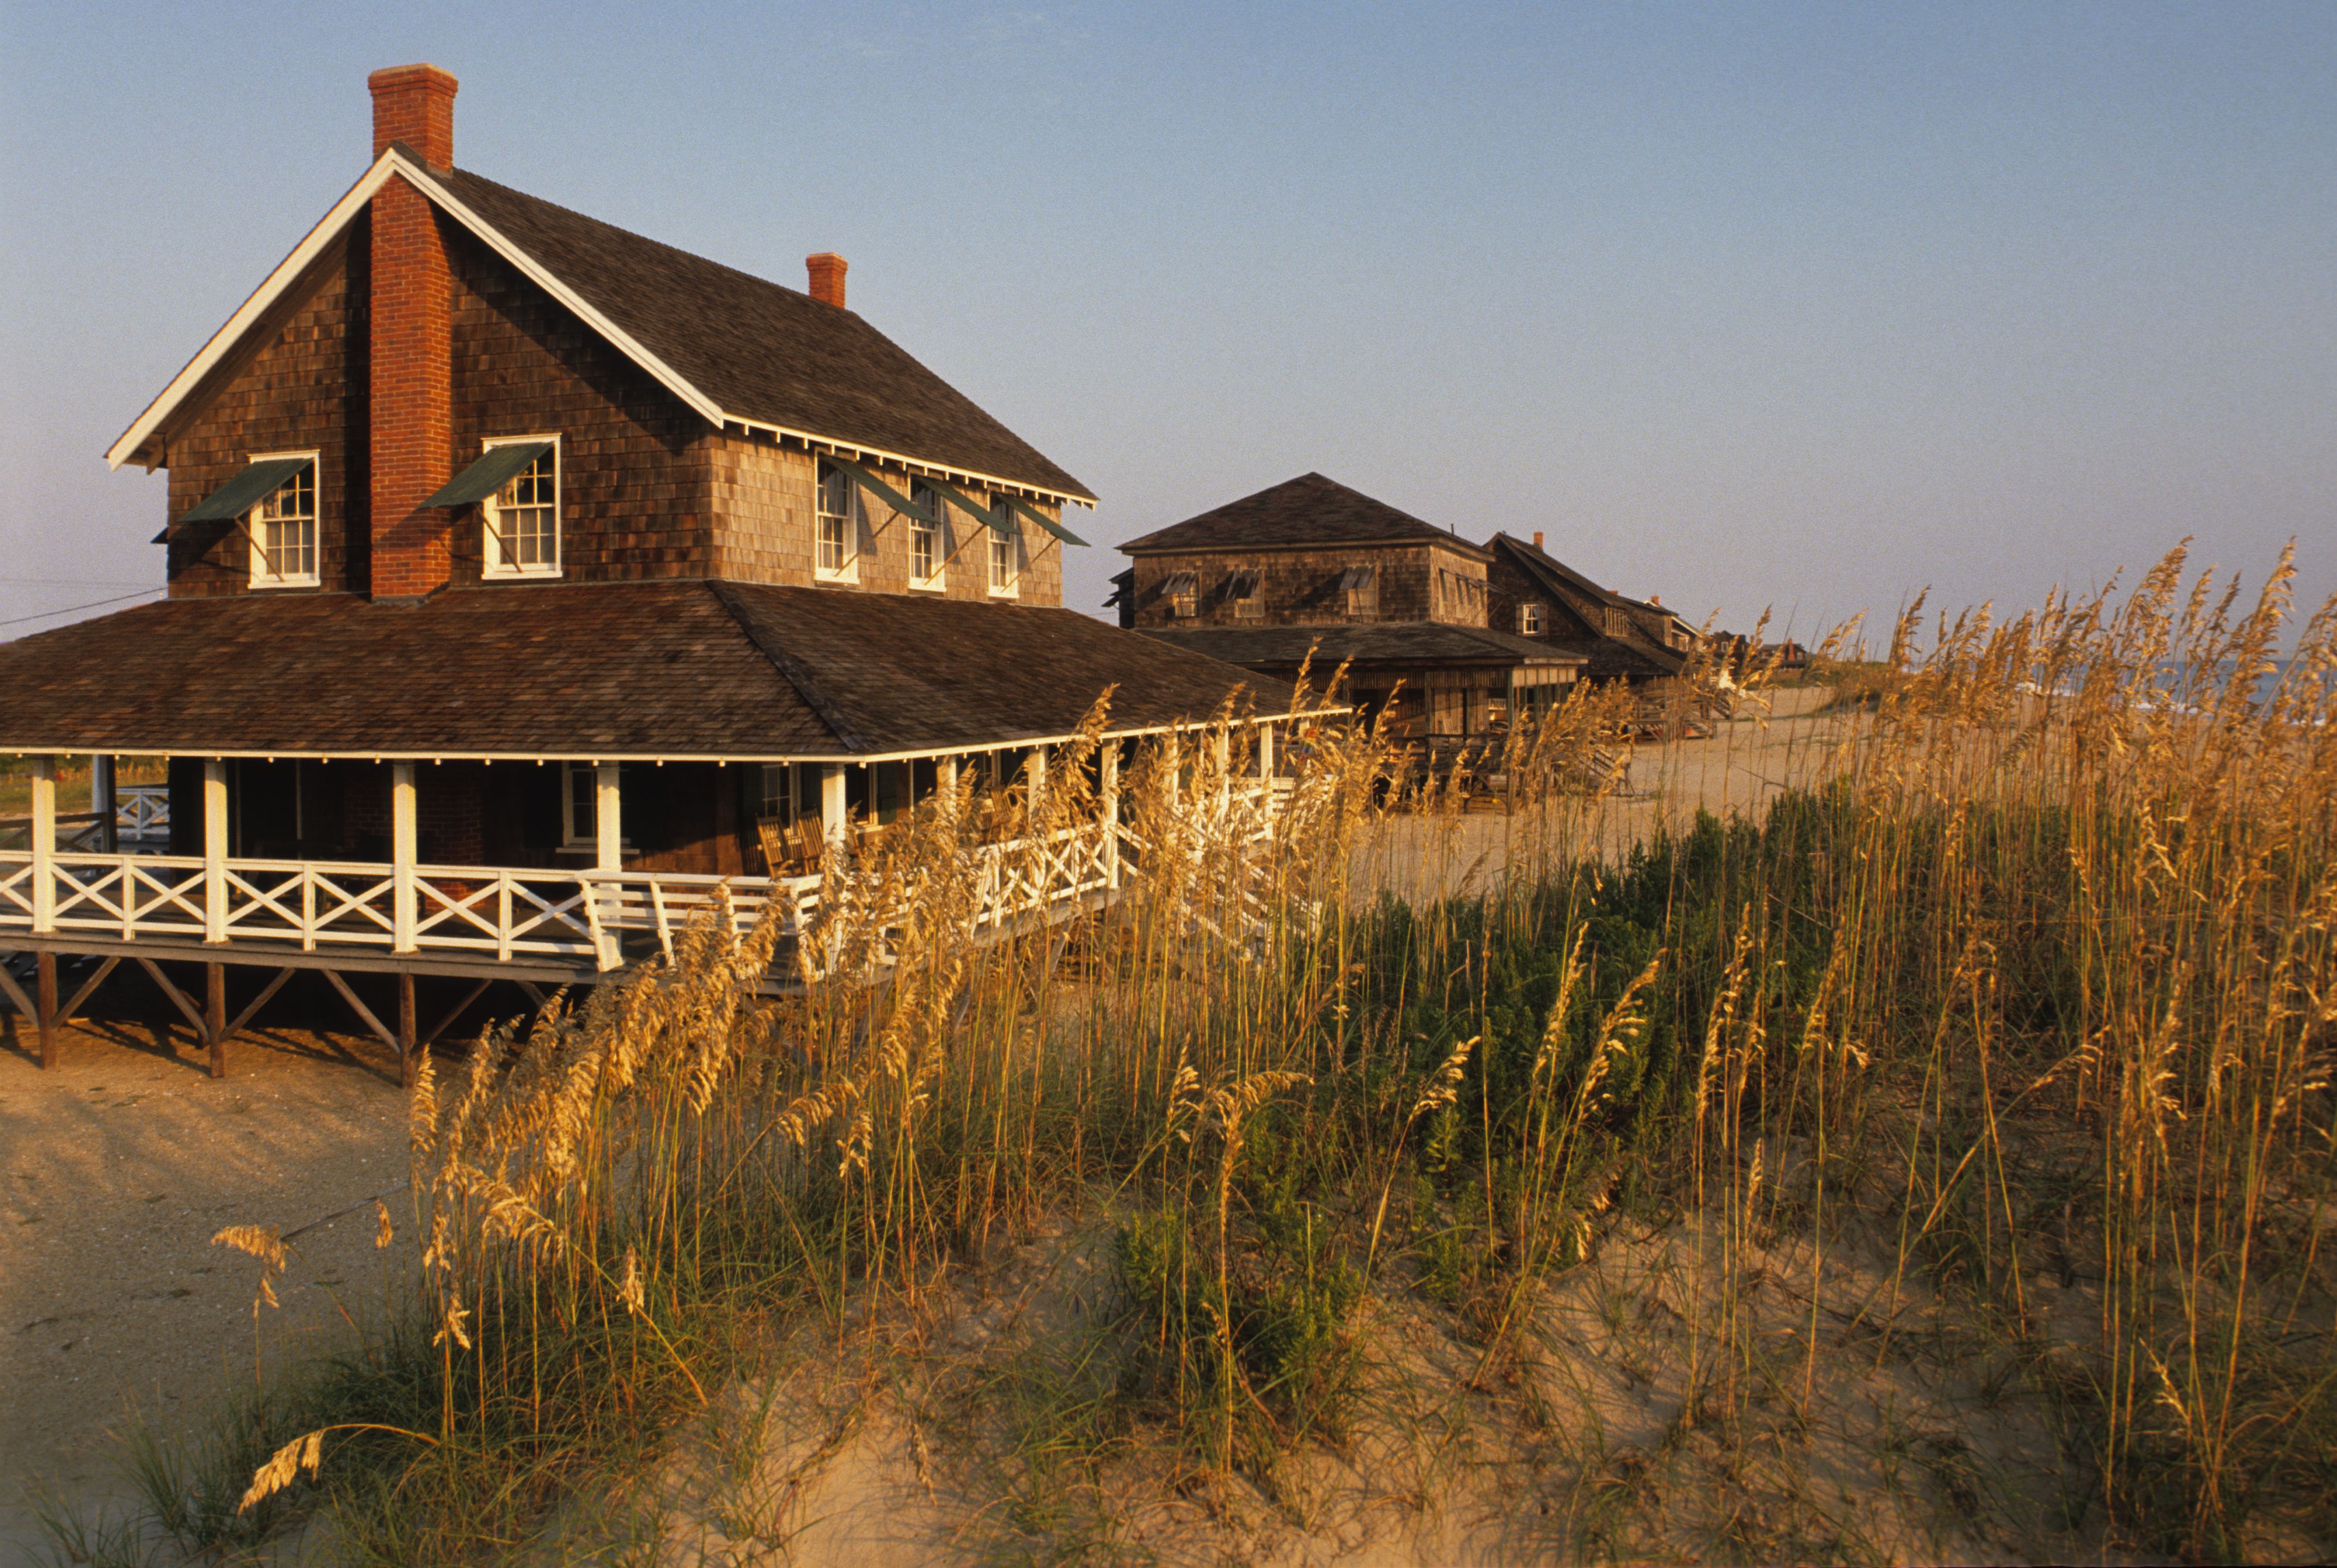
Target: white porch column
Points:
(831, 804)
(404, 843)
(608, 818)
(1110, 811)
(104, 799)
(45, 844)
(1221, 754)
(1266, 759)
(1034, 777)
(215, 849)
(1172, 765)
(946, 775)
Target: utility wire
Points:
(93, 604)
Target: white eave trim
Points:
(393, 160)
(858, 452)
(222, 341)
(853, 759)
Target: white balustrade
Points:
(578, 916)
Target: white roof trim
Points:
(393, 160)
(223, 341)
(457, 754)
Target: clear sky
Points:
(1798, 305)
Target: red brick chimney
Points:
(826, 270)
(1536, 539)
(412, 325)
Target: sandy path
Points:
(116, 1170)
(1744, 765)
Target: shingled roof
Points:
(594, 671)
(1310, 512)
(733, 347)
(763, 352)
(1418, 644)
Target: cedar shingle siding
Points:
(635, 481)
(304, 387)
(1301, 587)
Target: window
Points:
(1182, 592)
(283, 529)
(1529, 621)
(928, 550)
(1359, 590)
(1241, 593)
(1005, 563)
(522, 518)
(839, 526)
(577, 828)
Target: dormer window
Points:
(1179, 593)
(283, 526)
(1529, 621)
(1241, 593)
(839, 526)
(522, 516)
(928, 550)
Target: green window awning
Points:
(998, 522)
(1044, 520)
(496, 467)
(881, 490)
(246, 490)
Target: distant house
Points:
(527, 577)
(1312, 566)
(1533, 594)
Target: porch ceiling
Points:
(669, 671)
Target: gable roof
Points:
(739, 349)
(1310, 510)
(1564, 583)
(1417, 643)
(678, 670)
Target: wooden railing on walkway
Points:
(590, 919)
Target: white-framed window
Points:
(1005, 563)
(839, 527)
(1529, 621)
(578, 784)
(283, 527)
(928, 541)
(522, 520)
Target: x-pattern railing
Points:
(596, 916)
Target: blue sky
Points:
(1800, 305)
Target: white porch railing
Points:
(584, 916)
(318, 906)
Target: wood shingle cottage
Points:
(528, 576)
(1312, 567)
(1531, 592)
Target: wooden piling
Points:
(45, 1000)
(215, 1015)
(405, 1028)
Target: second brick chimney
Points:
(412, 339)
(826, 270)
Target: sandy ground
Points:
(116, 1170)
(1779, 741)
